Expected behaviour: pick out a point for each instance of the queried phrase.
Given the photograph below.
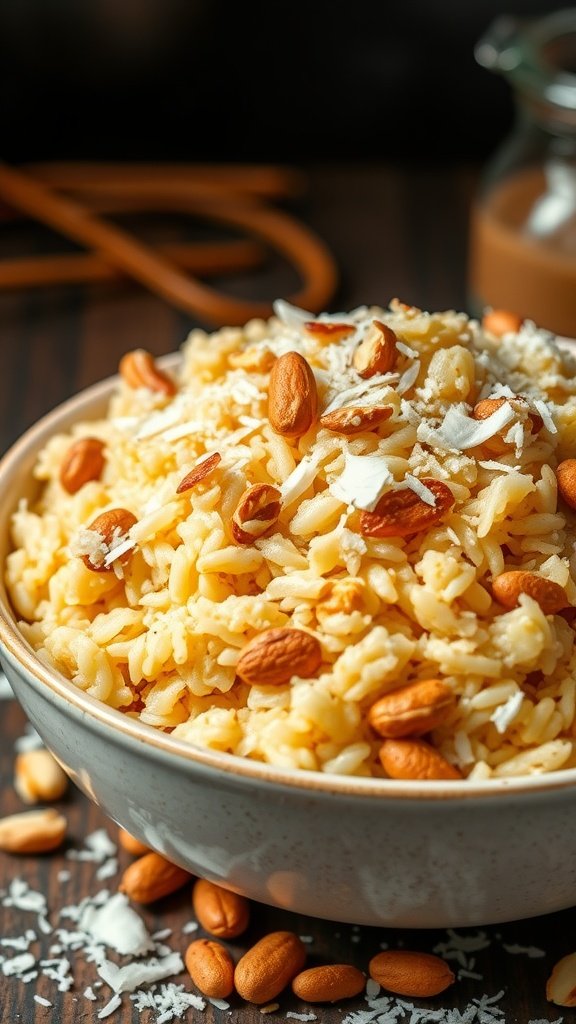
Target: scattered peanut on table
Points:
(38, 777)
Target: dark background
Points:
(293, 81)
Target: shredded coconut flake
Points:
(300, 479)
(546, 415)
(506, 713)
(362, 481)
(420, 489)
(458, 431)
(117, 925)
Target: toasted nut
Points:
(38, 776)
(566, 477)
(219, 911)
(269, 966)
(292, 396)
(139, 370)
(83, 461)
(378, 352)
(199, 473)
(254, 360)
(328, 984)
(412, 710)
(211, 968)
(507, 588)
(132, 845)
(402, 513)
(488, 406)
(501, 322)
(342, 597)
(355, 418)
(561, 985)
(328, 332)
(151, 877)
(409, 973)
(113, 527)
(271, 658)
(415, 759)
(257, 510)
(33, 831)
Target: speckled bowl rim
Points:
(376, 790)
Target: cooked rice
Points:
(159, 637)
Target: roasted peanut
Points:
(221, 912)
(151, 877)
(412, 710)
(33, 831)
(328, 332)
(408, 973)
(84, 461)
(292, 396)
(378, 352)
(329, 983)
(507, 588)
(139, 370)
(566, 477)
(271, 658)
(210, 966)
(113, 527)
(501, 322)
(403, 513)
(38, 777)
(415, 759)
(257, 510)
(269, 966)
(561, 985)
(353, 419)
(199, 473)
(132, 845)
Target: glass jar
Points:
(523, 226)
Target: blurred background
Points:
(380, 107)
(323, 80)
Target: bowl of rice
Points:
(296, 607)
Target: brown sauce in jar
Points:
(512, 267)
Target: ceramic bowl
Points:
(365, 851)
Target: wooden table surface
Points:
(394, 231)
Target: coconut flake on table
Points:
(113, 1004)
(117, 925)
(362, 481)
(20, 942)
(131, 976)
(18, 965)
(458, 431)
(170, 1001)
(22, 897)
(532, 952)
(98, 847)
(41, 1000)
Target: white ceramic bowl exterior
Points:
(365, 851)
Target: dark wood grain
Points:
(395, 231)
